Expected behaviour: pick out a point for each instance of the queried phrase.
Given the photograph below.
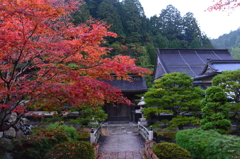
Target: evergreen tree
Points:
(173, 93)
(171, 23)
(215, 111)
(82, 15)
(146, 30)
(161, 41)
(134, 37)
(152, 53)
(235, 52)
(132, 16)
(175, 44)
(93, 7)
(109, 13)
(195, 44)
(154, 25)
(229, 82)
(206, 43)
(191, 31)
(116, 49)
(135, 50)
(143, 58)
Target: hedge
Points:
(209, 144)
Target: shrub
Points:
(5, 147)
(170, 134)
(88, 114)
(164, 136)
(209, 144)
(167, 150)
(73, 149)
(38, 144)
(83, 136)
(53, 135)
(30, 148)
(71, 131)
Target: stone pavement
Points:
(121, 142)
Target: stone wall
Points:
(96, 149)
(149, 151)
(18, 130)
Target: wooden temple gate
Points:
(123, 112)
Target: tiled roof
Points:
(219, 66)
(191, 61)
(138, 84)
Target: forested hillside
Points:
(229, 41)
(138, 36)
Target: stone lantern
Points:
(142, 120)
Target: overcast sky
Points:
(214, 24)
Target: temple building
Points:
(201, 64)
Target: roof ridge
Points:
(194, 49)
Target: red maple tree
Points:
(224, 5)
(47, 62)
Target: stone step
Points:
(122, 155)
(118, 129)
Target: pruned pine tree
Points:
(215, 110)
(174, 93)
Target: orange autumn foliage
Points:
(47, 62)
